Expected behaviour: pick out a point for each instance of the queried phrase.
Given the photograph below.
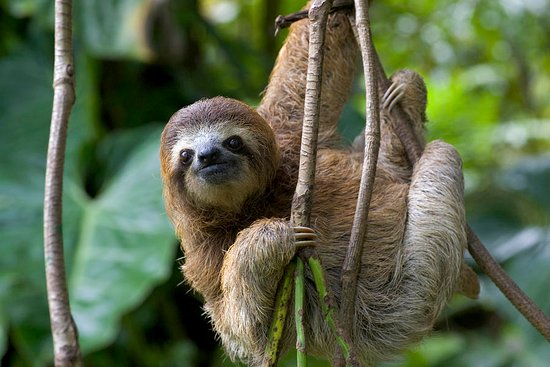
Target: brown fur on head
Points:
(217, 153)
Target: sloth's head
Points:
(217, 153)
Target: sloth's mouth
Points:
(213, 167)
(217, 173)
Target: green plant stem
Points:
(278, 321)
(301, 202)
(299, 293)
(327, 308)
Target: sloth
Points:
(229, 173)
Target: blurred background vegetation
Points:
(487, 67)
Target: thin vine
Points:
(64, 332)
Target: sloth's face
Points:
(214, 164)
(212, 156)
(218, 159)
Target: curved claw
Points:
(300, 229)
(304, 237)
(393, 95)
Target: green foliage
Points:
(137, 61)
(124, 245)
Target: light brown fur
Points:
(235, 254)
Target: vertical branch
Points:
(302, 200)
(65, 338)
(352, 262)
(301, 203)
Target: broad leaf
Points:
(125, 246)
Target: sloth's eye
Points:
(186, 156)
(234, 143)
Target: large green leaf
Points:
(125, 245)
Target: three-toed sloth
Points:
(229, 175)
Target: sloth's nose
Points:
(208, 156)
